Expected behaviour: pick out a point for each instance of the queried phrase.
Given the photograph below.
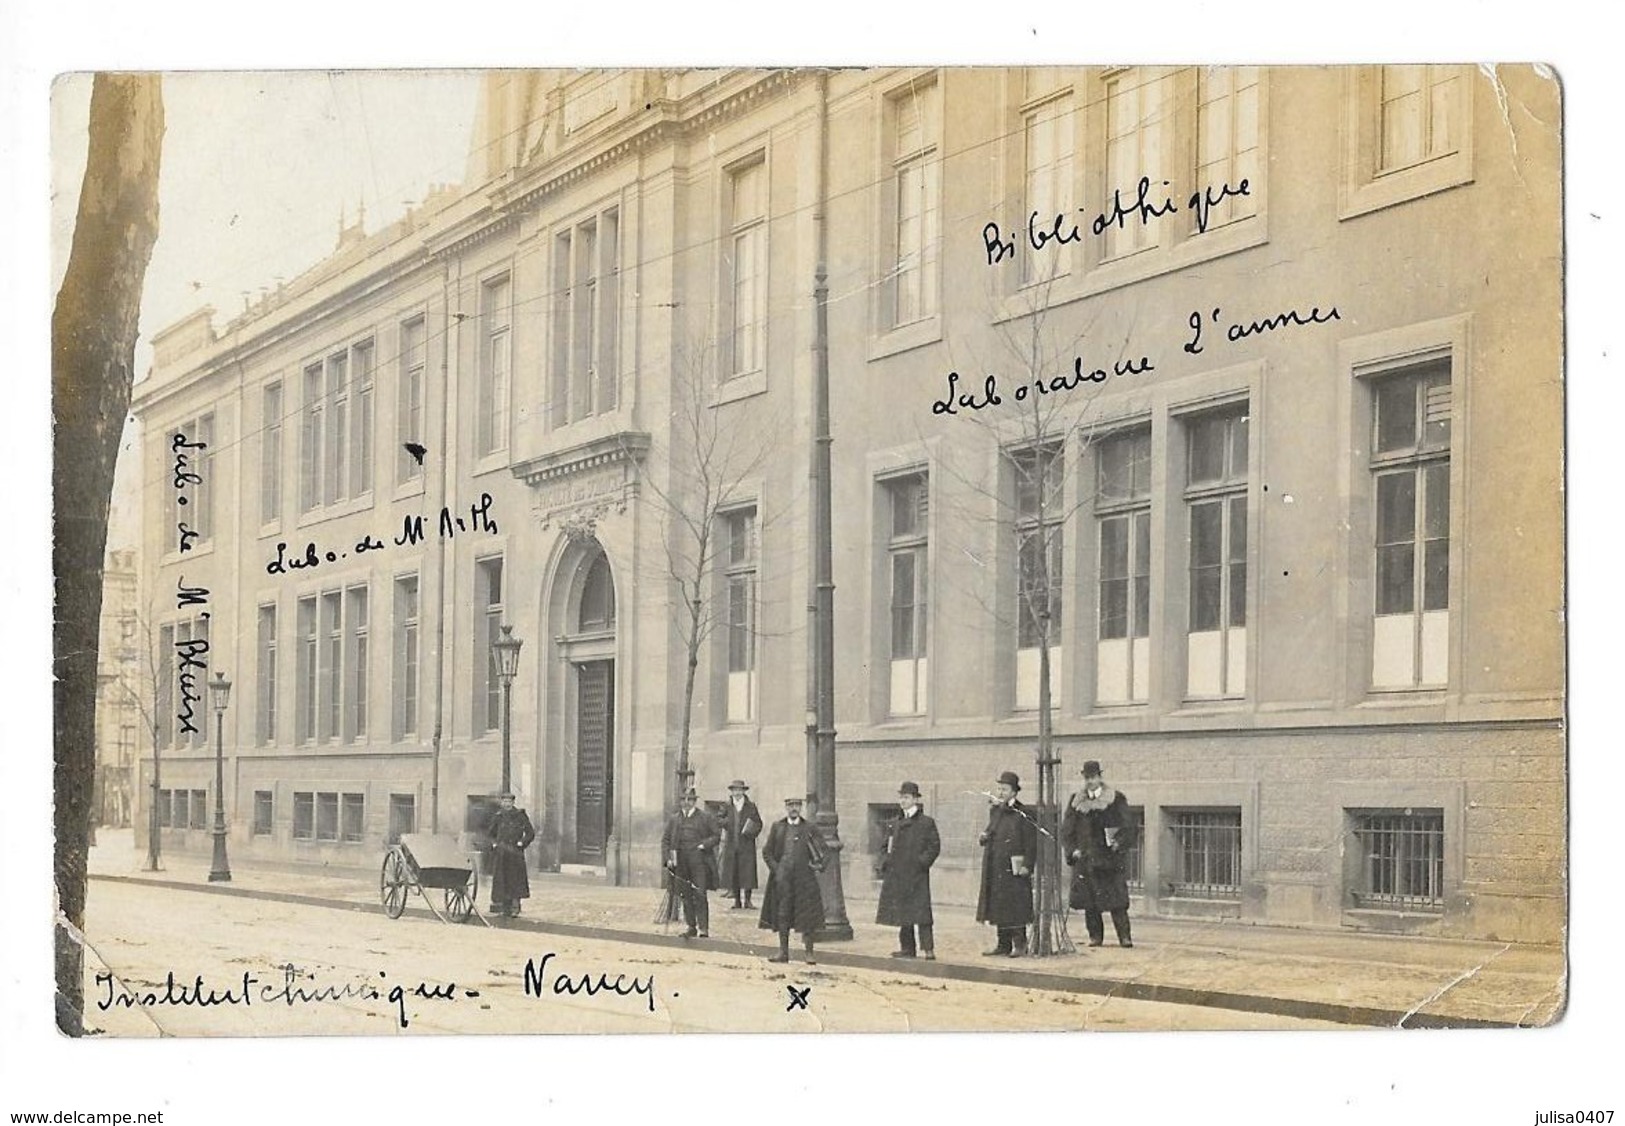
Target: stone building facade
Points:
(1271, 480)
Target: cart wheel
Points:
(392, 884)
(460, 900)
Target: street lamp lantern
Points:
(220, 696)
(507, 648)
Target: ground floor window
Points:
(1402, 859)
(403, 816)
(262, 813)
(304, 816)
(1134, 855)
(200, 810)
(1207, 853)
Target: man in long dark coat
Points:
(511, 834)
(740, 825)
(912, 846)
(690, 847)
(1096, 835)
(795, 853)
(1009, 851)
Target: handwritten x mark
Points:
(798, 998)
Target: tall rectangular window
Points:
(1401, 859)
(200, 810)
(1227, 139)
(406, 656)
(586, 318)
(304, 816)
(487, 679)
(495, 345)
(1207, 853)
(1050, 128)
(271, 452)
(1039, 478)
(312, 429)
(334, 470)
(739, 558)
(189, 490)
(305, 673)
(187, 688)
(362, 375)
(1410, 466)
(409, 408)
(166, 687)
(332, 649)
(1420, 115)
(266, 697)
(908, 499)
(357, 676)
(746, 266)
(1123, 525)
(1136, 148)
(916, 125)
(1216, 501)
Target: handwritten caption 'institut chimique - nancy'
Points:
(1045, 234)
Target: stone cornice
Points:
(625, 447)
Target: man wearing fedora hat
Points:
(511, 834)
(690, 847)
(740, 825)
(1096, 834)
(795, 853)
(1009, 851)
(912, 846)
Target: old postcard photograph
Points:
(792, 550)
(546, 552)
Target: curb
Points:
(1330, 1011)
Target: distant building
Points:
(1295, 557)
(119, 693)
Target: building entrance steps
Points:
(1354, 978)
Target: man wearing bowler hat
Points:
(740, 825)
(1096, 835)
(795, 853)
(912, 846)
(1009, 851)
(690, 846)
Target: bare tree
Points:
(710, 460)
(1045, 391)
(93, 334)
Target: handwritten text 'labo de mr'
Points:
(479, 520)
(1045, 231)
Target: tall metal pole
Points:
(836, 925)
(507, 733)
(154, 844)
(220, 871)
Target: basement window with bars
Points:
(1401, 859)
(1207, 853)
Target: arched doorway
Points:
(587, 652)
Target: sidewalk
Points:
(1352, 978)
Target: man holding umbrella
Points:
(690, 847)
(1009, 851)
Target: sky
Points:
(238, 145)
(258, 170)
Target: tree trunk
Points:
(93, 333)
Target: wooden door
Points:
(595, 757)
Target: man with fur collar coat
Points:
(1096, 835)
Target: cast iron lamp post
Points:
(507, 651)
(220, 695)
